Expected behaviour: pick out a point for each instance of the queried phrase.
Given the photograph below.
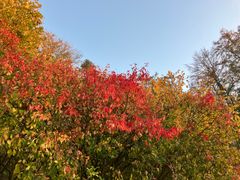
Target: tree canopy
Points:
(61, 121)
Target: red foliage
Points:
(120, 102)
(228, 118)
(205, 137)
(8, 40)
(67, 169)
(95, 99)
(208, 99)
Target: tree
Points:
(86, 64)
(59, 121)
(204, 149)
(219, 68)
(53, 48)
(25, 20)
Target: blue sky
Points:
(163, 33)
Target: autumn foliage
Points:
(59, 121)
(69, 103)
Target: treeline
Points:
(63, 121)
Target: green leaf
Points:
(17, 169)
(1, 54)
(9, 152)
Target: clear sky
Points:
(163, 33)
